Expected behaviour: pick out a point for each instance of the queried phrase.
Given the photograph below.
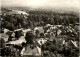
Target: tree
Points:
(2, 44)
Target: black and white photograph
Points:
(39, 28)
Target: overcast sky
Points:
(42, 3)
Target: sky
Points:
(41, 3)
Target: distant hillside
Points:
(59, 10)
(39, 16)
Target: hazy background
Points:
(46, 4)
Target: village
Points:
(44, 34)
